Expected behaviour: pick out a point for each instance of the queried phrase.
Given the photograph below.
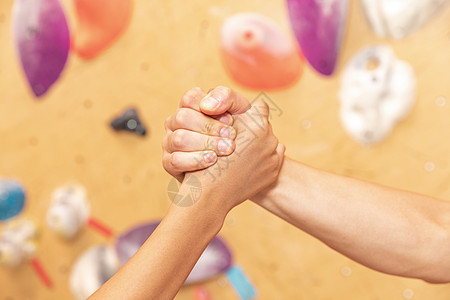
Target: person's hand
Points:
(251, 168)
(190, 129)
(193, 140)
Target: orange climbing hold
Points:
(99, 24)
(258, 54)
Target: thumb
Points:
(223, 99)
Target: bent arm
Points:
(392, 231)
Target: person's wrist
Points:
(268, 197)
(203, 200)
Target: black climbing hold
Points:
(129, 121)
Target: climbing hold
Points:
(215, 259)
(241, 283)
(319, 26)
(69, 210)
(129, 121)
(91, 270)
(397, 19)
(201, 293)
(17, 243)
(42, 39)
(258, 54)
(99, 24)
(12, 199)
(377, 91)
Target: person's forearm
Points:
(392, 231)
(162, 264)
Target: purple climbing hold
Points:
(42, 39)
(215, 259)
(319, 26)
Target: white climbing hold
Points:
(68, 211)
(377, 91)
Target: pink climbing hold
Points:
(99, 24)
(258, 54)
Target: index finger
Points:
(193, 97)
(223, 99)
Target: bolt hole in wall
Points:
(33, 141)
(360, 98)
(87, 104)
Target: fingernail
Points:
(223, 146)
(225, 132)
(210, 103)
(209, 157)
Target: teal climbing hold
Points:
(12, 199)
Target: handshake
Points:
(224, 144)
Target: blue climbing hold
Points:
(12, 199)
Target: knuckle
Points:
(261, 104)
(261, 108)
(209, 143)
(209, 127)
(185, 100)
(188, 97)
(264, 105)
(177, 139)
(174, 161)
(181, 117)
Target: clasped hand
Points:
(226, 142)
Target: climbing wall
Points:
(169, 47)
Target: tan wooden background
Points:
(169, 47)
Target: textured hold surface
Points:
(91, 270)
(129, 121)
(42, 39)
(397, 19)
(215, 259)
(17, 242)
(319, 26)
(100, 23)
(68, 211)
(258, 54)
(377, 91)
(12, 199)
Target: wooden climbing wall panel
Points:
(169, 47)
